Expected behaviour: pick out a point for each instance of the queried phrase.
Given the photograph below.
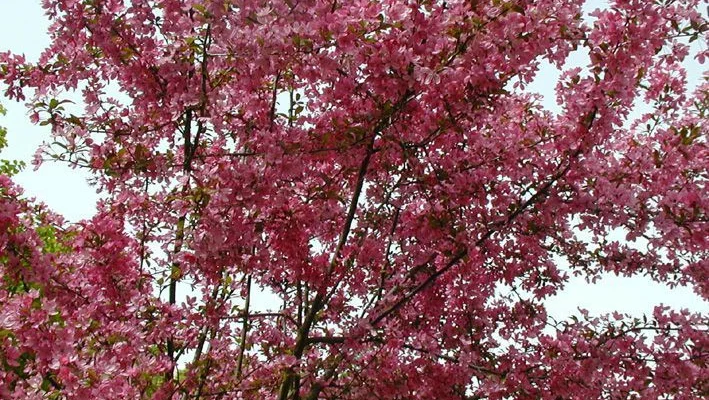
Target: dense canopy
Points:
(378, 167)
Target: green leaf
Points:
(516, 8)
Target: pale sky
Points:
(65, 190)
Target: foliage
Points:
(7, 167)
(378, 167)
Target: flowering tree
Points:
(379, 168)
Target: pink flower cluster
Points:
(379, 168)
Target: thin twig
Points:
(244, 328)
